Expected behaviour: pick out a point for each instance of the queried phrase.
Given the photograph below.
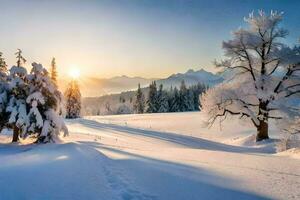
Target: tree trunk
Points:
(262, 131)
(15, 134)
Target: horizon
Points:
(105, 39)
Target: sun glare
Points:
(74, 73)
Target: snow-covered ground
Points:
(151, 156)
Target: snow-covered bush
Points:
(123, 109)
(266, 79)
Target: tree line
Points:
(160, 100)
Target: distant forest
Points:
(152, 99)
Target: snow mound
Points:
(293, 153)
(267, 146)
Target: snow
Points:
(149, 156)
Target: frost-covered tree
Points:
(139, 105)
(152, 98)
(73, 100)
(266, 78)
(53, 71)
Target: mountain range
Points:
(93, 87)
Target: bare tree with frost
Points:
(266, 78)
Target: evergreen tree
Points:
(197, 90)
(152, 98)
(190, 100)
(18, 92)
(45, 104)
(20, 59)
(183, 98)
(73, 100)
(139, 106)
(3, 92)
(162, 100)
(3, 68)
(53, 71)
(174, 101)
(34, 101)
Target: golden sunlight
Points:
(74, 73)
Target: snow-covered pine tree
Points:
(3, 68)
(53, 71)
(45, 103)
(184, 101)
(174, 101)
(190, 100)
(197, 91)
(266, 75)
(18, 92)
(162, 98)
(3, 92)
(152, 98)
(73, 100)
(139, 105)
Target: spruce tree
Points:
(44, 104)
(17, 107)
(152, 98)
(34, 104)
(3, 68)
(139, 105)
(73, 100)
(162, 100)
(175, 101)
(197, 91)
(183, 97)
(190, 100)
(53, 71)
(3, 92)
(20, 59)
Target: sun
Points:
(74, 73)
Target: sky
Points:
(148, 38)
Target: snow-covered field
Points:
(151, 156)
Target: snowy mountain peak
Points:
(192, 77)
(190, 71)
